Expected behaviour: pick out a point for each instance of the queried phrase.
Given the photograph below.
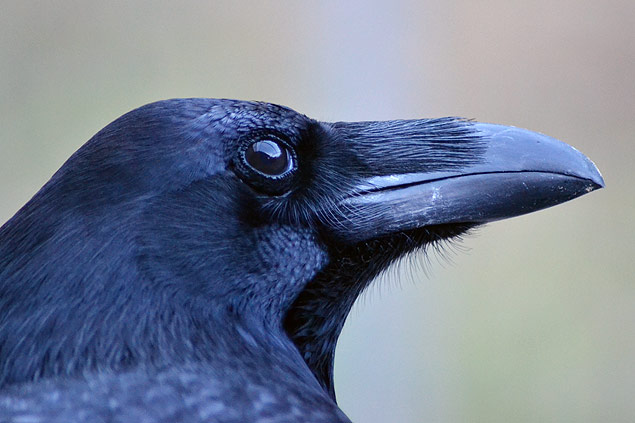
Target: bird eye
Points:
(270, 157)
(267, 162)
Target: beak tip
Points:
(542, 152)
(593, 175)
(598, 181)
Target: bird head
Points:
(188, 221)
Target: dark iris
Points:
(269, 157)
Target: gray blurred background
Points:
(533, 318)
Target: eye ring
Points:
(267, 162)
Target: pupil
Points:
(268, 157)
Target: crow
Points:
(196, 259)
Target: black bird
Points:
(196, 259)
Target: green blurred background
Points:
(533, 319)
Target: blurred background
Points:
(530, 319)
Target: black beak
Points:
(511, 172)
